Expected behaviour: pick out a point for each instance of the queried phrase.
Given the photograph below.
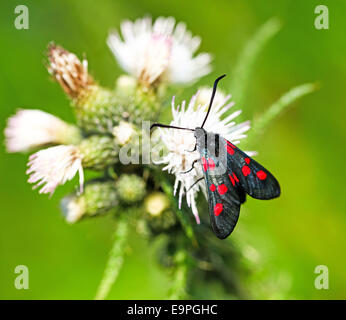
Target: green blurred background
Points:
(304, 148)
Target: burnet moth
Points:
(229, 175)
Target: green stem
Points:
(115, 260)
(178, 289)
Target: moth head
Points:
(199, 133)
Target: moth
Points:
(229, 175)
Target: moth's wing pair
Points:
(252, 177)
(227, 191)
(224, 200)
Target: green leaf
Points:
(244, 66)
(278, 107)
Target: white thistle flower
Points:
(160, 50)
(29, 129)
(54, 166)
(179, 141)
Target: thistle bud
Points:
(156, 203)
(102, 109)
(71, 73)
(95, 107)
(98, 152)
(136, 103)
(99, 109)
(144, 106)
(123, 133)
(130, 188)
(98, 198)
(159, 217)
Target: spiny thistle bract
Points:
(155, 56)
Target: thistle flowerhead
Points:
(71, 73)
(54, 166)
(180, 143)
(159, 51)
(30, 129)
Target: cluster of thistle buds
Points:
(154, 55)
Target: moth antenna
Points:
(212, 98)
(160, 125)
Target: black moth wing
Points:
(224, 199)
(252, 177)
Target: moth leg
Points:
(194, 184)
(192, 167)
(194, 149)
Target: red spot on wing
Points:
(222, 189)
(235, 177)
(211, 164)
(218, 209)
(261, 175)
(247, 160)
(204, 164)
(230, 150)
(212, 187)
(232, 180)
(246, 170)
(230, 144)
